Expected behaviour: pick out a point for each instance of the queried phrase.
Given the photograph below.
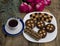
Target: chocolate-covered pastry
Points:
(40, 24)
(42, 33)
(32, 34)
(30, 23)
(47, 18)
(41, 17)
(34, 16)
(50, 28)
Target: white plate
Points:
(49, 37)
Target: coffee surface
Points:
(13, 23)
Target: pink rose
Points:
(29, 1)
(40, 6)
(37, 1)
(30, 8)
(23, 7)
(47, 2)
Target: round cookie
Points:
(42, 33)
(30, 23)
(40, 24)
(50, 28)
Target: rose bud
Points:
(37, 1)
(30, 8)
(23, 7)
(47, 2)
(33, 5)
(30, 1)
(40, 6)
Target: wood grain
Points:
(10, 9)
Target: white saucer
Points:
(16, 31)
(49, 37)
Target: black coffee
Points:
(13, 23)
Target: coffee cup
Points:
(12, 23)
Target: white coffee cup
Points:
(10, 21)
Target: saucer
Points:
(10, 32)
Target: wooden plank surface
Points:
(9, 8)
